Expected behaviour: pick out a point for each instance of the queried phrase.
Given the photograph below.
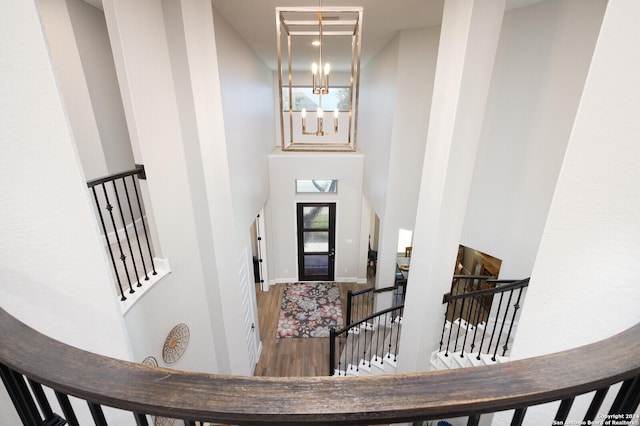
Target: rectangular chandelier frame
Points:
(294, 22)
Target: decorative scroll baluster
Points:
(516, 306)
(138, 256)
(126, 235)
(135, 228)
(123, 258)
(106, 236)
(504, 319)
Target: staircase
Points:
(483, 330)
(468, 344)
(369, 347)
(478, 329)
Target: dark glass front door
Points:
(316, 241)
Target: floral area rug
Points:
(309, 310)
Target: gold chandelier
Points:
(336, 30)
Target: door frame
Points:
(330, 276)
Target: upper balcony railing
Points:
(30, 361)
(124, 228)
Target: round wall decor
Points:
(175, 343)
(150, 361)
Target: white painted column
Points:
(173, 196)
(211, 156)
(468, 42)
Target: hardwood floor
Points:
(292, 357)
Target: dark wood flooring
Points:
(292, 357)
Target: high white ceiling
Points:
(255, 20)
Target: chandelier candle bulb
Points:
(327, 68)
(319, 113)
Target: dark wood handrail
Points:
(513, 285)
(316, 400)
(138, 171)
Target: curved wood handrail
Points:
(320, 400)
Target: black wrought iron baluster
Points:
(106, 236)
(135, 229)
(399, 325)
(364, 345)
(123, 258)
(141, 419)
(495, 323)
(389, 346)
(444, 324)
(144, 228)
(378, 356)
(563, 411)
(356, 359)
(455, 346)
(477, 322)
(595, 405)
(97, 414)
(516, 306)
(49, 416)
(469, 325)
(332, 350)
(67, 409)
(349, 305)
(126, 233)
(632, 398)
(474, 420)
(20, 396)
(343, 352)
(504, 319)
(371, 303)
(518, 416)
(622, 394)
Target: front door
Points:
(316, 241)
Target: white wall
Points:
(53, 271)
(378, 84)
(416, 61)
(73, 85)
(284, 169)
(541, 64)
(81, 52)
(94, 47)
(247, 99)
